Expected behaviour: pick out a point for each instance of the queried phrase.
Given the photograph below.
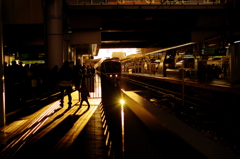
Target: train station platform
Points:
(54, 132)
(222, 85)
(57, 132)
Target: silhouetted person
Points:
(76, 77)
(65, 83)
(16, 78)
(84, 95)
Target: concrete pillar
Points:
(234, 62)
(134, 66)
(65, 50)
(196, 53)
(54, 33)
(195, 66)
(70, 48)
(74, 55)
(66, 47)
(2, 84)
(69, 53)
(81, 60)
(161, 67)
(78, 58)
(138, 62)
(150, 67)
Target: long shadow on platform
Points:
(43, 147)
(29, 108)
(90, 143)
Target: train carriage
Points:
(112, 69)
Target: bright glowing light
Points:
(116, 75)
(122, 101)
(238, 41)
(110, 75)
(108, 52)
(123, 90)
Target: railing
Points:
(148, 2)
(140, 129)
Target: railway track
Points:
(206, 116)
(190, 100)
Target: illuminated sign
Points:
(41, 56)
(33, 61)
(213, 51)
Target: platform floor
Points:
(61, 133)
(58, 132)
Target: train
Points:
(111, 68)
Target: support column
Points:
(2, 84)
(81, 60)
(134, 66)
(77, 57)
(65, 50)
(234, 62)
(70, 57)
(74, 55)
(66, 47)
(195, 67)
(69, 53)
(161, 67)
(138, 68)
(54, 33)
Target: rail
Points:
(191, 100)
(149, 132)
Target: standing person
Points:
(84, 95)
(53, 78)
(65, 83)
(76, 76)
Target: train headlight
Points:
(116, 75)
(110, 75)
(122, 101)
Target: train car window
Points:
(112, 67)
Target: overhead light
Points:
(238, 41)
(211, 44)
